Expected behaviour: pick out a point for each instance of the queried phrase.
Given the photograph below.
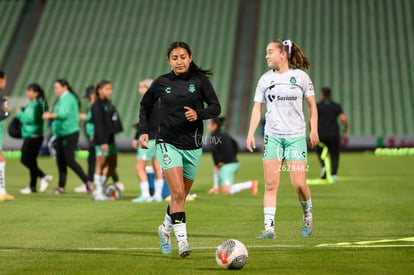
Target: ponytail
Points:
(100, 85)
(219, 121)
(64, 82)
(194, 68)
(296, 57)
(41, 94)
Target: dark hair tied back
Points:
(219, 121)
(194, 69)
(100, 85)
(41, 94)
(63, 83)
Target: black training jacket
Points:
(223, 147)
(104, 132)
(176, 91)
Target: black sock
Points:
(178, 217)
(168, 210)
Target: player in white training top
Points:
(283, 89)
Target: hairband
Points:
(289, 44)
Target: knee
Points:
(178, 197)
(271, 185)
(226, 189)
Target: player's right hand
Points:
(250, 143)
(143, 141)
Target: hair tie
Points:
(289, 44)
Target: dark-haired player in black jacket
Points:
(182, 93)
(224, 149)
(103, 113)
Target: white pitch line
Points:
(125, 248)
(195, 248)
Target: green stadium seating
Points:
(9, 15)
(362, 49)
(125, 41)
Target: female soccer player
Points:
(32, 134)
(104, 137)
(89, 133)
(65, 128)
(144, 155)
(225, 149)
(182, 93)
(4, 110)
(283, 89)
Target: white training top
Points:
(283, 95)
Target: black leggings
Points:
(333, 146)
(92, 163)
(30, 151)
(65, 157)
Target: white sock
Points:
(2, 178)
(216, 180)
(180, 231)
(158, 184)
(237, 187)
(307, 208)
(97, 180)
(144, 188)
(167, 224)
(103, 180)
(269, 217)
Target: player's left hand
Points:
(190, 114)
(105, 147)
(313, 138)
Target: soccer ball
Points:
(112, 192)
(231, 254)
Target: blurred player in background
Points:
(329, 132)
(224, 149)
(4, 110)
(182, 94)
(65, 128)
(144, 155)
(89, 132)
(283, 89)
(106, 124)
(32, 134)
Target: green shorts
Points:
(147, 154)
(169, 157)
(227, 172)
(99, 152)
(288, 149)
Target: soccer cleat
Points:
(44, 183)
(184, 249)
(267, 234)
(142, 199)
(57, 191)
(120, 186)
(80, 189)
(6, 197)
(26, 191)
(307, 227)
(253, 188)
(165, 241)
(156, 198)
(101, 197)
(214, 191)
(89, 188)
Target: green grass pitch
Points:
(70, 234)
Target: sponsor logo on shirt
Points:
(286, 98)
(168, 90)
